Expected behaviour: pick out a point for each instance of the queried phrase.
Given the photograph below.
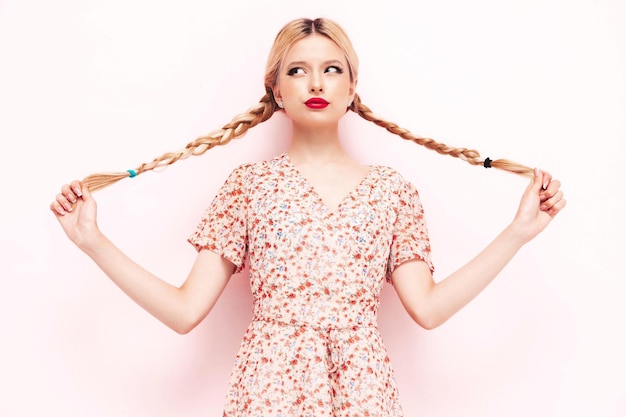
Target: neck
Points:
(318, 145)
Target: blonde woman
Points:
(321, 233)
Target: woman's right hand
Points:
(75, 209)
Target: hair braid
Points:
(469, 155)
(237, 127)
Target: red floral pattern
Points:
(313, 347)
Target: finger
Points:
(57, 208)
(557, 207)
(551, 202)
(547, 178)
(66, 190)
(552, 189)
(62, 201)
(536, 183)
(77, 187)
(86, 194)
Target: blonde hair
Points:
(267, 106)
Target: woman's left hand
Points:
(541, 202)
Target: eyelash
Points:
(338, 69)
(294, 71)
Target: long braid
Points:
(237, 127)
(469, 155)
(267, 106)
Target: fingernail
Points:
(77, 192)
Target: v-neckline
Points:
(328, 211)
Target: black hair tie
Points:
(487, 163)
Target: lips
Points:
(316, 103)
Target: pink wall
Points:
(89, 86)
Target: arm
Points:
(430, 304)
(180, 308)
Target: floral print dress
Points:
(313, 348)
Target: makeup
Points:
(316, 103)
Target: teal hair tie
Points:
(131, 172)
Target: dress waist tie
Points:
(334, 344)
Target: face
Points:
(314, 82)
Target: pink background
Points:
(89, 86)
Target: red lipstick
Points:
(316, 103)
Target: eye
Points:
(335, 69)
(295, 71)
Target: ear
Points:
(352, 92)
(353, 87)
(276, 94)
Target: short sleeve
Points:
(223, 228)
(410, 234)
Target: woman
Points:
(322, 233)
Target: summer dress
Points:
(313, 348)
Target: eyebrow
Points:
(304, 63)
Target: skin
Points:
(312, 67)
(316, 67)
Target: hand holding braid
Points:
(182, 308)
(469, 155)
(237, 127)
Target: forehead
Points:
(314, 48)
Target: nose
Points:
(316, 84)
